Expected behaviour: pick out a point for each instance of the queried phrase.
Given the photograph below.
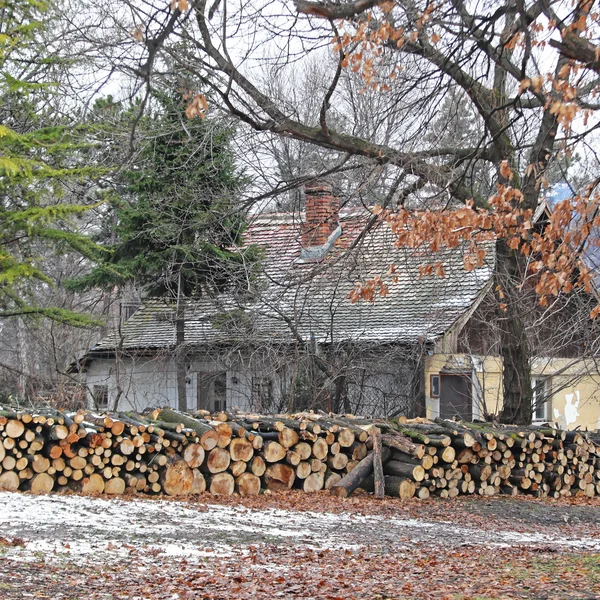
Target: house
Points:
(296, 339)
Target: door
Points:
(211, 391)
(455, 397)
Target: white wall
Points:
(153, 382)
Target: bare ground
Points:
(297, 546)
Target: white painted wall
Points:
(153, 382)
(374, 388)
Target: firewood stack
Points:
(163, 451)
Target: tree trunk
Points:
(341, 395)
(514, 346)
(180, 357)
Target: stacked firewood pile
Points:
(166, 451)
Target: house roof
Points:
(309, 300)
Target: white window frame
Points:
(546, 382)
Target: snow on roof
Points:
(310, 300)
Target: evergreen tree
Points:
(39, 154)
(176, 223)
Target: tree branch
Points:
(577, 48)
(329, 10)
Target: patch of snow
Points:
(79, 529)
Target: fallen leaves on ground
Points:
(392, 569)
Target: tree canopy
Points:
(174, 218)
(42, 165)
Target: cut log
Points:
(447, 454)
(258, 466)
(75, 463)
(345, 438)
(399, 469)
(218, 460)
(14, 428)
(115, 485)
(194, 455)
(331, 479)
(337, 461)
(248, 484)
(288, 437)
(314, 483)
(320, 449)
(177, 478)
(279, 477)
(42, 483)
(241, 449)
(352, 480)
(127, 447)
(303, 470)
(293, 458)
(199, 483)
(237, 468)
(94, 484)
(359, 451)
(274, 452)
(40, 464)
(398, 487)
(423, 493)
(222, 484)
(209, 440)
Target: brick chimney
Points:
(322, 214)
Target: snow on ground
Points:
(79, 529)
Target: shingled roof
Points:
(309, 300)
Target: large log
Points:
(248, 484)
(314, 482)
(177, 479)
(273, 452)
(222, 484)
(363, 469)
(399, 469)
(218, 460)
(279, 477)
(194, 455)
(241, 449)
(116, 485)
(14, 428)
(94, 484)
(171, 416)
(42, 483)
(398, 487)
(288, 437)
(320, 449)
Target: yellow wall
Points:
(575, 386)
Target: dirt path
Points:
(52, 541)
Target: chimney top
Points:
(321, 225)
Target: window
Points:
(262, 393)
(434, 386)
(542, 395)
(212, 392)
(100, 395)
